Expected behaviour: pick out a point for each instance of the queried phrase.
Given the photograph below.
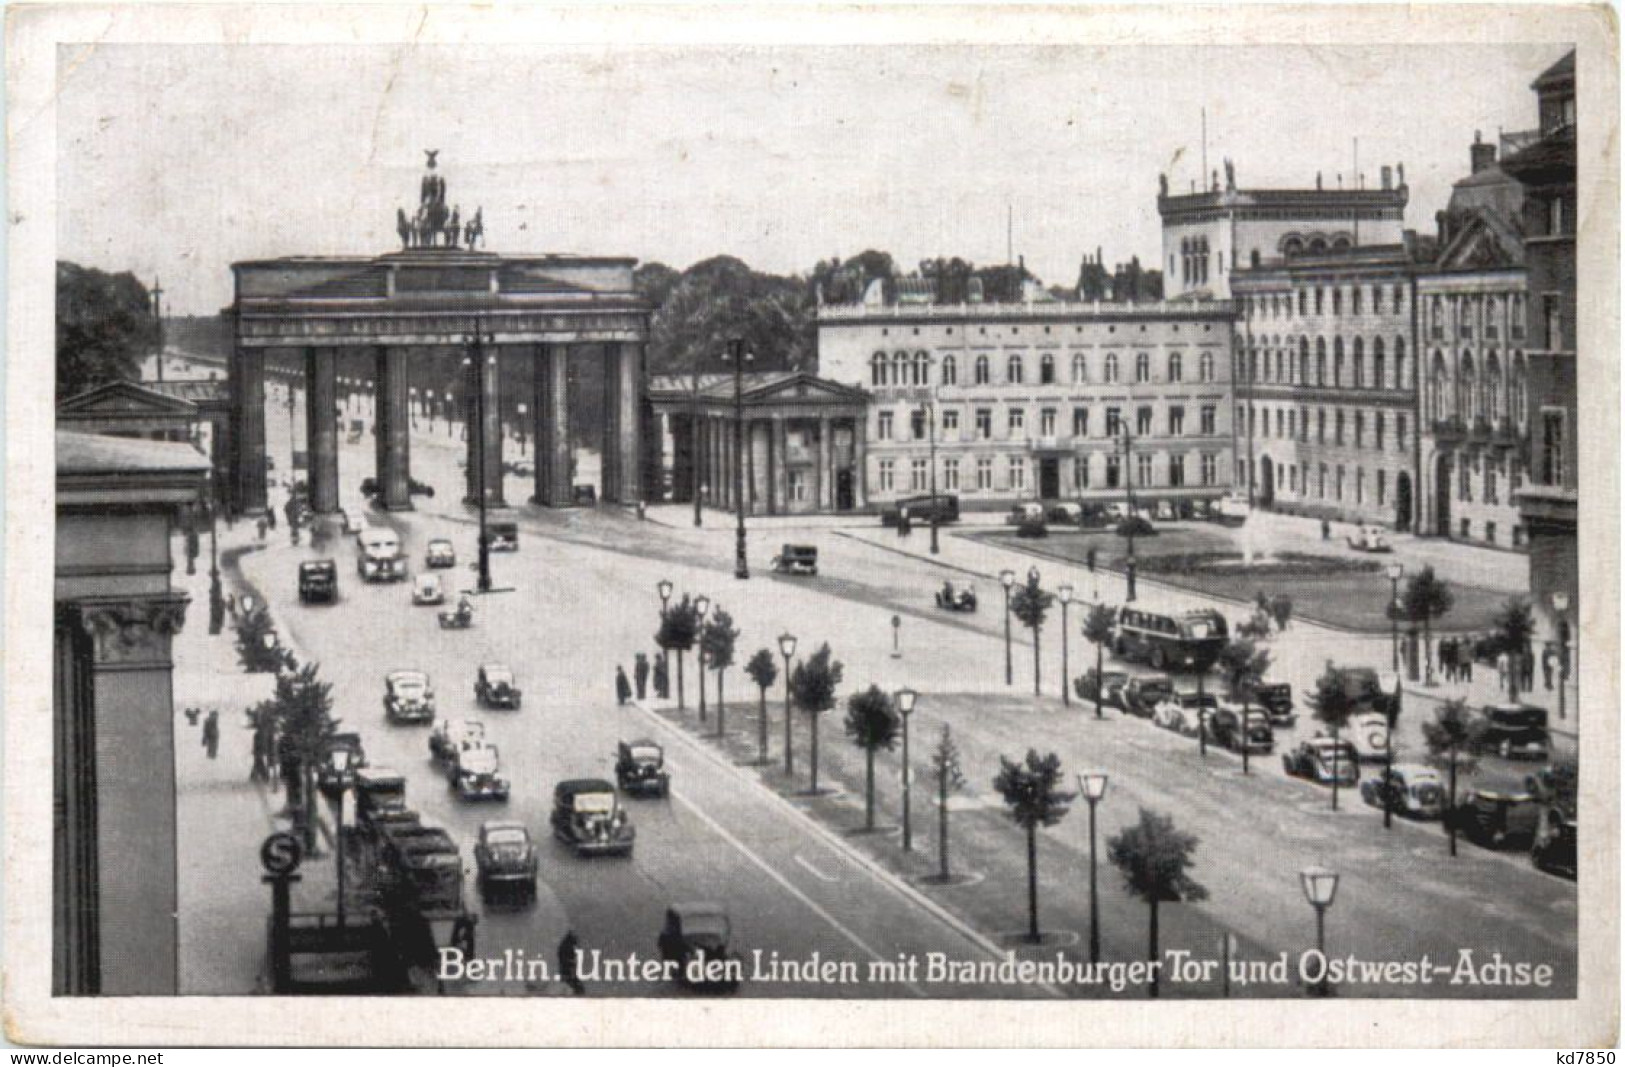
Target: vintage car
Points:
(502, 536)
(922, 509)
(379, 792)
(1368, 733)
(1030, 511)
(426, 590)
(1406, 789)
(451, 736)
(1555, 850)
(440, 554)
(505, 856)
(796, 559)
(379, 557)
(1142, 695)
(475, 771)
(1322, 760)
(1224, 728)
(695, 937)
(1065, 514)
(1108, 684)
(1370, 538)
(1499, 810)
(962, 599)
(424, 867)
(318, 580)
(495, 687)
(342, 756)
(1183, 712)
(1276, 700)
(588, 817)
(640, 769)
(1515, 731)
(408, 697)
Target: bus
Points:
(1187, 641)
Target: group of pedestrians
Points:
(1456, 660)
(644, 670)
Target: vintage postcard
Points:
(784, 526)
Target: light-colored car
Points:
(426, 590)
(1182, 712)
(1368, 733)
(1031, 511)
(440, 553)
(451, 736)
(1320, 759)
(1408, 789)
(475, 772)
(1370, 538)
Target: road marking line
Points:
(816, 873)
(773, 873)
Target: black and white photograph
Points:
(920, 512)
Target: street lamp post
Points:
(1064, 593)
(739, 356)
(1320, 889)
(664, 589)
(702, 604)
(1390, 683)
(1395, 572)
(1560, 604)
(477, 359)
(1007, 578)
(1128, 485)
(930, 410)
(905, 705)
(787, 648)
(1093, 787)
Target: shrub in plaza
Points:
(763, 669)
(1155, 860)
(1097, 630)
(301, 709)
(254, 652)
(1242, 665)
(1032, 528)
(679, 629)
(1451, 738)
(1030, 604)
(1511, 632)
(871, 723)
(1333, 705)
(1426, 598)
(1277, 565)
(1032, 793)
(950, 779)
(812, 689)
(717, 642)
(1135, 526)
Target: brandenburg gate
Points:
(437, 292)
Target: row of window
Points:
(889, 473)
(1276, 363)
(1296, 425)
(1329, 482)
(900, 368)
(1466, 396)
(1016, 422)
(1281, 305)
(1493, 471)
(1472, 313)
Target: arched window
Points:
(1337, 361)
(1359, 297)
(1012, 370)
(1080, 368)
(1176, 367)
(1337, 300)
(1320, 294)
(1111, 367)
(1440, 399)
(1494, 396)
(1280, 365)
(950, 371)
(1046, 369)
(1466, 389)
(1320, 361)
(1303, 301)
(1359, 361)
(877, 369)
(1204, 367)
(981, 370)
(922, 369)
(899, 368)
(1142, 367)
(1377, 361)
(1399, 363)
(1519, 391)
(1303, 361)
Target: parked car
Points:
(369, 487)
(1142, 695)
(1322, 760)
(962, 599)
(475, 772)
(426, 589)
(502, 536)
(342, 756)
(1276, 700)
(318, 580)
(1368, 733)
(440, 554)
(451, 736)
(1065, 514)
(1499, 810)
(1515, 731)
(796, 559)
(495, 687)
(696, 937)
(1369, 538)
(1109, 684)
(1184, 711)
(640, 769)
(944, 507)
(1165, 511)
(505, 856)
(1556, 847)
(408, 697)
(1406, 789)
(1029, 511)
(588, 817)
(1225, 728)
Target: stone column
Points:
(248, 428)
(321, 429)
(609, 444)
(490, 435)
(781, 466)
(553, 427)
(751, 493)
(630, 402)
(860, 459)
(393, 423)
(826, 476)
(728, 460)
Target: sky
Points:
(176, 161)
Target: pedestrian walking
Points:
(1464, 659)
(662, 679)
(640, 674)
(1548, 661)
(1526, 669)
(904, 527)
(211, 733)
(623, 688)
(259, 528)
(1325, 530)
(1449, 658)
(569, 963)
(1502, 669)
(270, 518)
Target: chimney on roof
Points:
(1483, 155)
(1387, 178)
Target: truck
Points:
(378, 556)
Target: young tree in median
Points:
(1333, 706)
(718, 639)
(301, 707)
(1030, 604)
(1155, 860)
(1451, 738)
(1426, 598)
(1097, 630)
(1243, 664)
(1031, 791)
(1513, 628)
(764, 671)
(812, 689)
(950, 779)
(257, 648)
(679, 629)
(872, 725)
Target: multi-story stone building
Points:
(1041, 400)
(1326, 383)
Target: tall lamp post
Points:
(664, 589)
(1093, 787)
(1390, 683)
(738, 355)
(158, 323)
(1128, 485)
(1007, 578)
(702, 605)
(1560, 604)
(930, 410)
(217, 600)
(787, 648)
(905, 705)
(1395, 572)
(477, 359)
(1064, 593)
(1320, 889)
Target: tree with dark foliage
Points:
(104, 327)
(1031, 791)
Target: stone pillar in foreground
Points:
(392, 422)
(321, 429)
(552, 403)
(248, 429)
